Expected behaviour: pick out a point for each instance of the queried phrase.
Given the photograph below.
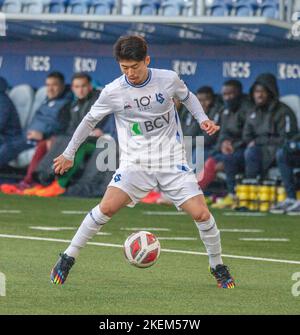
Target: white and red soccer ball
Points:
(142, 249)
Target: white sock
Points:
(210, 235)
(89, 227)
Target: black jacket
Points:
(232, 123)
(10, 127)
(79, 109)
(269, 126)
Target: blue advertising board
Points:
(202, 54)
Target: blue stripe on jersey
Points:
(185, 99)
(142, 84)
(178, 138)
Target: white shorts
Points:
(178, 186)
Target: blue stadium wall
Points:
(29, 62)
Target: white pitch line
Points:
(265, 239)
(9, 211)
(254, 214)
(35, 238)
(242, 230)
(62, 228)
(178, 238)
(165, 250)
(52, 228)
(163, 213)
(150, 228)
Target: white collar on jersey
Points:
(142, 84)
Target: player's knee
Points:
(107, 209)
(202, 215)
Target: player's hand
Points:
(209, 127)
(61, 165)
(97, 133)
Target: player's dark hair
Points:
(234, 83)
(57, 75)
(205, 90)
(82, 75)
(130, 47)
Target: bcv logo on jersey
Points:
(157, 123)
(150, 125)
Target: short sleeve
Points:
(181, 91)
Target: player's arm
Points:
(193, 105)
(195, 108)
(65, 161)
(98, 111)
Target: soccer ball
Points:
(142, 249)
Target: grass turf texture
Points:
(102, 282)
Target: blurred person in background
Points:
(268, 126)
(230, 147)
(85, 97)
(50, 120)
(212, 106)
(11, 134)
(287, 159)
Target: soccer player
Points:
(147, 124)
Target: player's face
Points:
(81, 87)
(206, 100)
(54, 87)
(135, 71)
(260, 95)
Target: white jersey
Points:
(148, 126)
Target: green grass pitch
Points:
(102, 282)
